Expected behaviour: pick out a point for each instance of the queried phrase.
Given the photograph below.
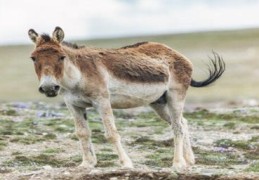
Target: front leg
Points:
(83, 133)
(104, 108)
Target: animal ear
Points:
(33, 35)
(58, 35)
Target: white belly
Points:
(125, 94)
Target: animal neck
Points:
(71, 74)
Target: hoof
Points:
(179, 166)
(127, 165)
(86, 165)
(190, 160)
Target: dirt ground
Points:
(37, 141)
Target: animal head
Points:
(48, 58)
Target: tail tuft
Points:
(216, 69)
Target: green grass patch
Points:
(3, 144)
(254, 167)
(160, 158)
(9, 127)
(206, 115)
(240, 144)
(217, 158)
(230, 125)
(106, 159)
(39, 160)
(59, 125)
(16, 153)
(52, 151)
(31, 139)
(254, 139)
(50, 136)
(146, 142)
(8, 112)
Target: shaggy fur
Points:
(141, 74)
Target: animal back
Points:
(136, 67)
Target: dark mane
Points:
(134, 45)
(46, 37)
(72, 45)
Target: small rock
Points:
(113, 178)
(66, 173)
(47, 167)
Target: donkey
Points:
(142, 74)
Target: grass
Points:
(106, 159)
(31, 139)
(8, 112)
(205, 115)
(253, 167)
(205, 157)
(239, 49)
(38, 160)
(52, 151)
(139, 137)
(226, 143)
(3, 144)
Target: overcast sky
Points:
(88, 19)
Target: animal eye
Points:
(62, 58)
(33, 59)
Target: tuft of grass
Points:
(245, 145)
(16, 153)
(99, 138)
(253, 154)
(206, 115)
(50, 136)
(255, 127)
(106, 159)
(31, 139)
(162, 158)
(254, 139)
(8, 112)
(3, 144)
(52, 151)
(254, 167)
(230, 125)
(9, 127)
(217, 158)
(150, 143)
(73, 137)
(39, 160)
(60, 125)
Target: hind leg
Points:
(175, 104)
(163, 111)
(187, 148)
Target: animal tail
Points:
(216, 68)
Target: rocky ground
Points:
(37, 141)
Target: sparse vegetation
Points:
(226, 143)
(254, 167)
(140, 138)
(2, 144)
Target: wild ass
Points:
(145, 73)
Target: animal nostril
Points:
(41, 90)
(56, 88)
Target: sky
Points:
(91, 19)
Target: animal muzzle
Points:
(49, 86)
(49, 90)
